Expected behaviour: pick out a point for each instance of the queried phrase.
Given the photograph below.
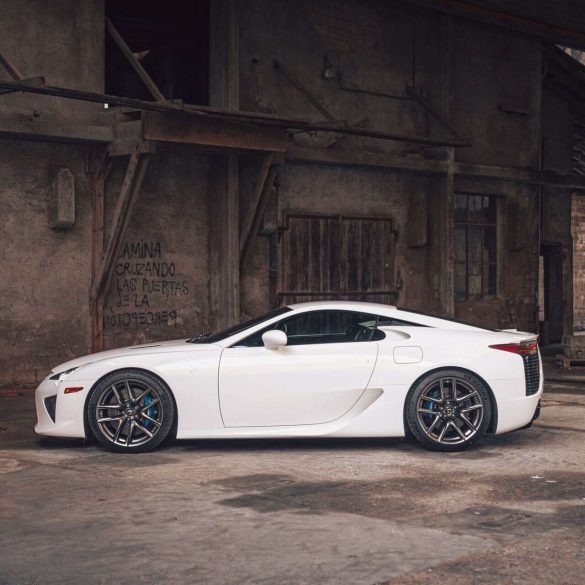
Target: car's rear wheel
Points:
(130, 411)
(448, 410)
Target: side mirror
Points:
(274, 339)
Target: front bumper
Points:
(68, 410)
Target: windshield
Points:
(214, 337)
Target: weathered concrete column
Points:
(441, 267)
(224, 226)
(441, 230)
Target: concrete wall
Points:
(487, 83)
(160, 284)
(61, 41)
(45, 274)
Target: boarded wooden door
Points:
(330, 257)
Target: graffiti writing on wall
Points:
(146, 288)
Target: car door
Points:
(316, 378)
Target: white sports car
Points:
(321, 369)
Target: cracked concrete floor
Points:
(510, 511)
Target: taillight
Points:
(522, 348)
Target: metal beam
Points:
(255, 118)
(134, 62)
(303, 90)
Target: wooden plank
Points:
(364, 159)
(224, 54)
(248, 223)
(297, 155)
(533, 18)
(259, 213)
(134, 62)
(224, 244)
(188, 129)
(11, 68)
(53, 130)
(128, 193)
(128, 146)
(515, 175)
(98, 167)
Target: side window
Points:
(321, 327)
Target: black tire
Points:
(448, 410)
(130, 411)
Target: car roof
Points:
(388, 310)
(355, 305)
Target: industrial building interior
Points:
(170, 169)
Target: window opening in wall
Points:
(475, 246)
(171, 41)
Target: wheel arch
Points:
(86, 428)
(493, 424)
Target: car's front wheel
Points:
(448, 410)
(130, 411)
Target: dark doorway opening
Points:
(551, 293)
(171, 41)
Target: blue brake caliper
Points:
(151, 412)
(428, 418)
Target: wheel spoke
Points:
(454, 388)
(426, 411)
(472, 407)
(155, 401)
(467, 422)
(118, 430)
(152, 420)
(461, 434)
(109, 406)
(129, 390)
(109, 419)
(443, 431)
(431, 399)
(130, 432)
(434, 424)
(442, 389)
(462, 398)
(116, 394)
(148, 389)
(144, 430)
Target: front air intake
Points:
(51, 406)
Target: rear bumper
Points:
(68, 411)
(517, 412)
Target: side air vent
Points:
(51, 406)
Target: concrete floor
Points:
(371, 511)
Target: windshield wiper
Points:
(198, 337)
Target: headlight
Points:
(61, 376)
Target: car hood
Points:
(149, 348)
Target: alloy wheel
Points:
(129, 413)
(450, 411)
